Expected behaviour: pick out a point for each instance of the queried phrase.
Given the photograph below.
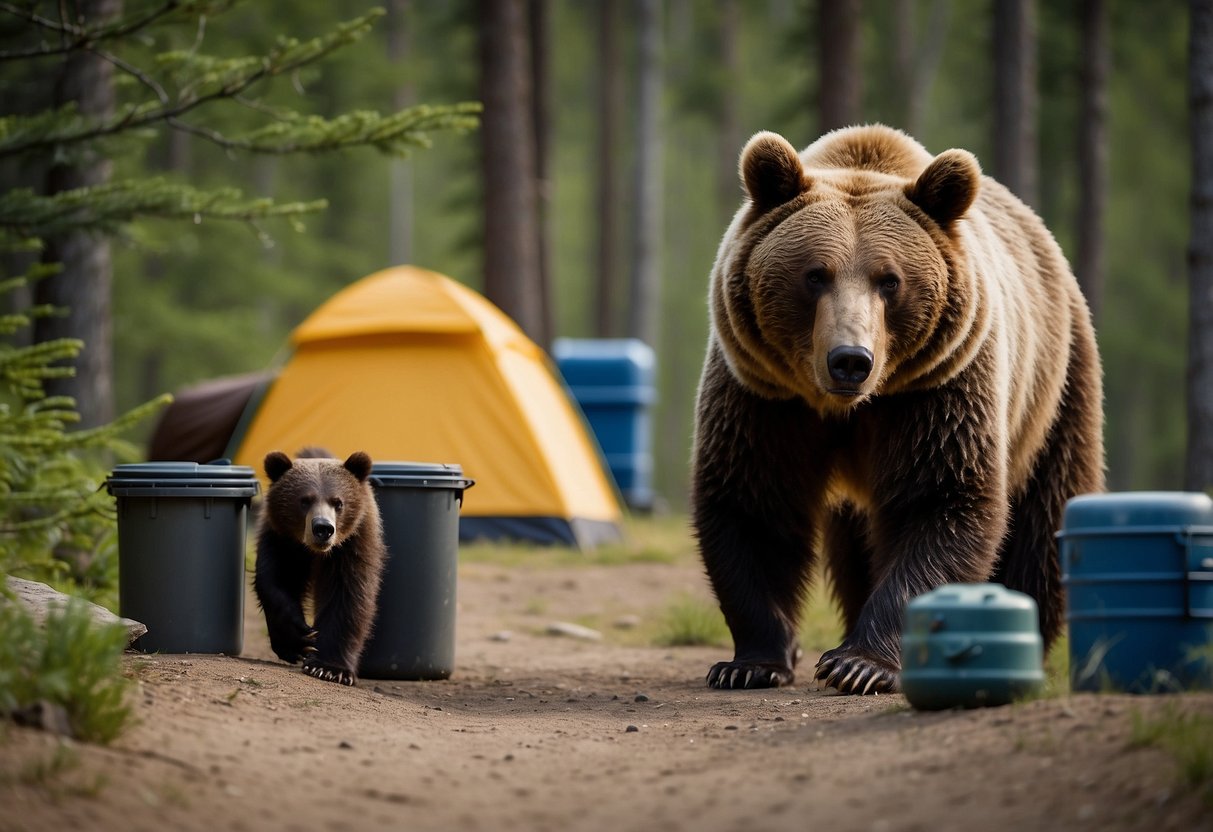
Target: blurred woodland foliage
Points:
(205, 298)
(78, 175)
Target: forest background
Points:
(641, 109)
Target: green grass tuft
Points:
(690, 622)
(1188, 738)
(71, 663)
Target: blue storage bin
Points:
(613, 382)
(1138, 571)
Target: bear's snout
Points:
(850, 366)
(323, 529)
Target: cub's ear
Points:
(359, 464)
(771, 171)
(948, 186)
(276, 464)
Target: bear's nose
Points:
(849, 365)
(322, 529)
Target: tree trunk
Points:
(727, 178)
(1199, 474)
(539, 16)
(1015, 99)
(511, 236)
(644, 300)
(1093, 153)
(841, 76)
(84, 286)
(400, 186)
(610, 105)
(916, 58)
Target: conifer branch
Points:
(224, 79)
(81, 37)
(24, 214)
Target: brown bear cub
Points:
(902, 380)
(319, 532)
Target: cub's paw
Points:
(328, 672)
(737, 675)
(848, 670)
(299, 644)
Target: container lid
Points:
(605, 362)
(973, 596)
(967, 608)
(220, 478)
(1138, 508)
(419, 475)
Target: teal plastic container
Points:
(414, 632)
(181, 536)
(970, 645)
(1138, 570)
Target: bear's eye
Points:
(336, 504)
(817, 277)
(889, 283)
(306, 500)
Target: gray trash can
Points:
(414, 632)
(181, 534)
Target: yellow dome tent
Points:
(412, 366)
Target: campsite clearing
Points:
(545, 732)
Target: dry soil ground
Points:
(540, 732)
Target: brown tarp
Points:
(198, 425)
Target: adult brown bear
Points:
(901, 375)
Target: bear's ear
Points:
(948, 186)
(771, 171)
(359, 464)
(276, 464)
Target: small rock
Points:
(344, 744)
(631, 729)
(567, 628)
(45, 715)
(642, 697)
(501, 635)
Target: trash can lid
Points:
(1138, 508)
(151, 478)
(419, 475)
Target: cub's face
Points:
(319, 502)
(827, 284)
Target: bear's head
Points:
(843, 275)
(318, 501)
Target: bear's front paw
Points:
(299, 644)
(737, 675)
(328, 672)
(849, 670)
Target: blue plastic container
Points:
(1138, 570)
(613, 382)
(970, 645)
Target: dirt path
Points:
(534, 732)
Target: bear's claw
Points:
(329, 674)
(849, 672)
(749, 675)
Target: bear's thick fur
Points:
(901, 375)
(319, 532)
